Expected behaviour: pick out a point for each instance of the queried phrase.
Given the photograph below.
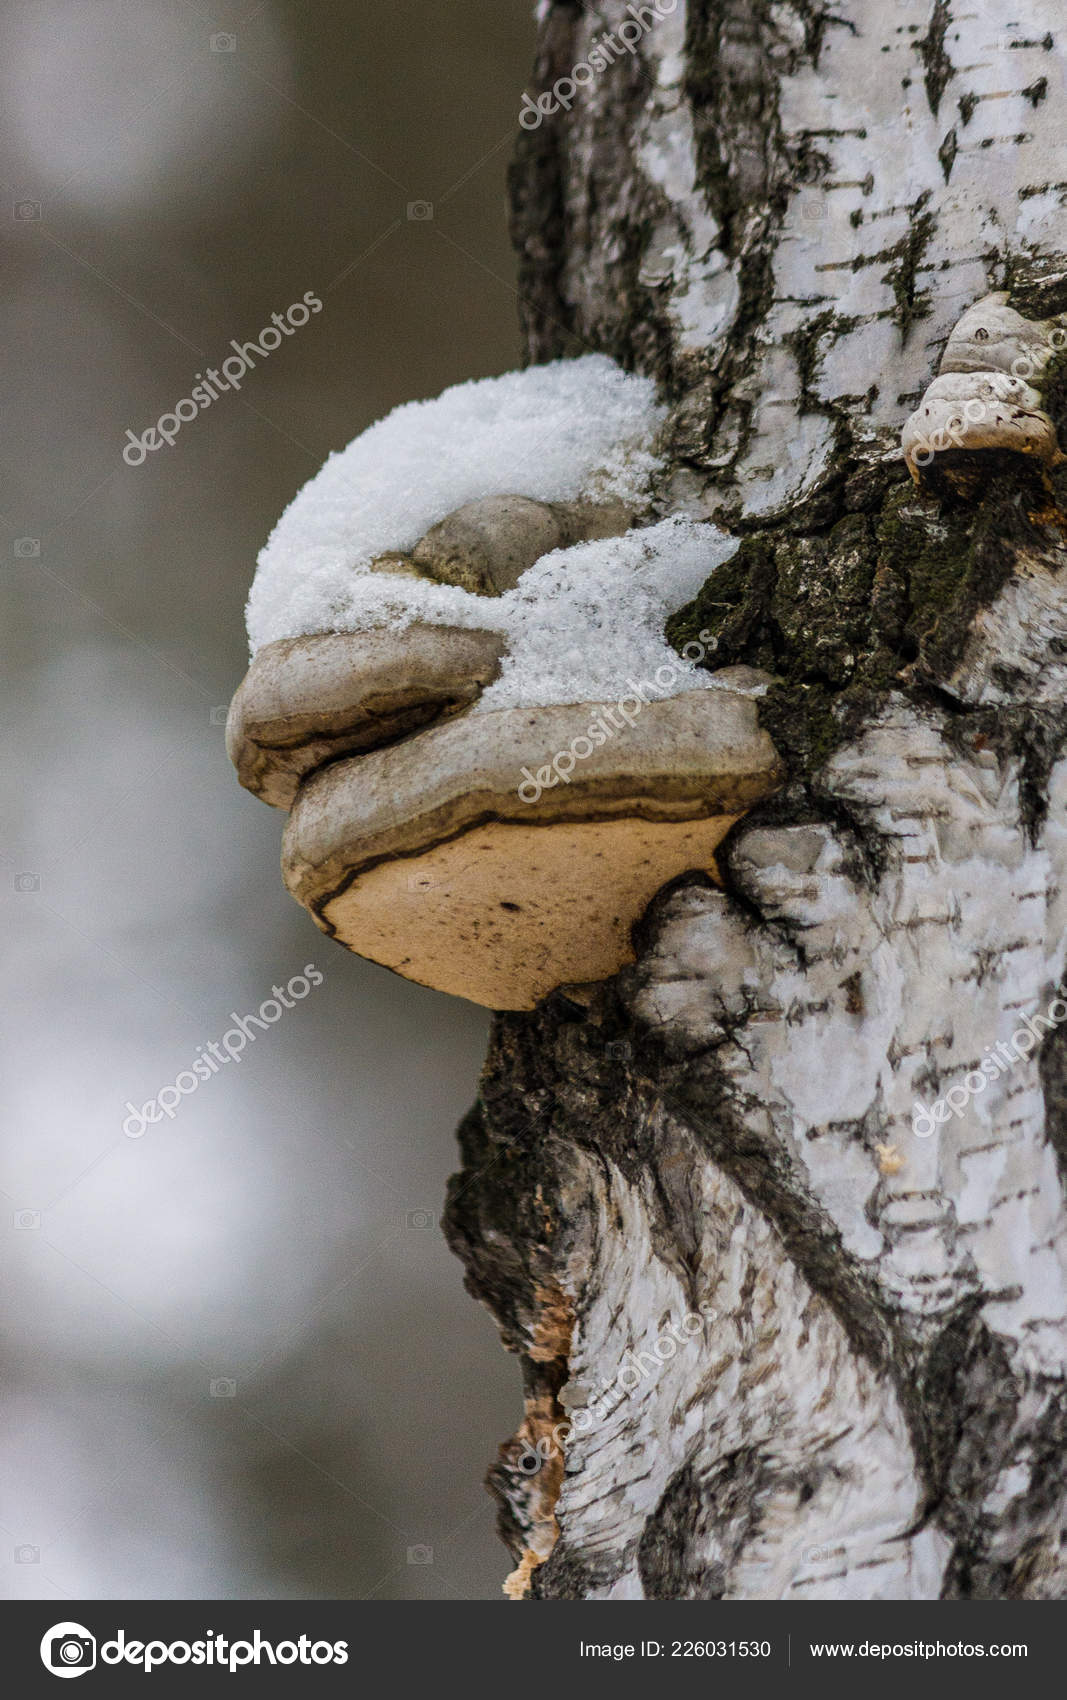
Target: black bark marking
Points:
(1052, 1062)
(934, 55)
(903, 275)
(968, 105)
(719, 1516)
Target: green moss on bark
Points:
(880, 599)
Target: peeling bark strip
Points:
(781, 211)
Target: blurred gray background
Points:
(173, 173)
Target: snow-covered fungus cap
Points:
(461, 688)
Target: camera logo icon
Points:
(26, 210)
(217, 715)
(27, 1555)
(224, 42)
(223, 1387)
(27, 548)
(420, 1555)
(27, 882)
(68, 1649)
(617, 1050)
(26, 1219)
(415, 1219)
(420, 212)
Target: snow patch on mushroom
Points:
(583, 624)
(586, 624)
(570, 429)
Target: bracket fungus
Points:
(423, 856)
(306, 701)
(987, 395)
(492, 757)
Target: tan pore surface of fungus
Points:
(424, 857)
(987, 394)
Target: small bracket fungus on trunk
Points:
(987, 396)
(492, 756)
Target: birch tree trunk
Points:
(807, 1349)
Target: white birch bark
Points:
(780, 211)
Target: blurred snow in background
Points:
(238, 1358)
(113, 104)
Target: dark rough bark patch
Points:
(502, 1219)
(573, 1576)
(968, 106)
(975, 1572)
(876, 599)
(1053, 1064)
(719, 1513)
(535, 200)
(962, 1401)
(501, 1212)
